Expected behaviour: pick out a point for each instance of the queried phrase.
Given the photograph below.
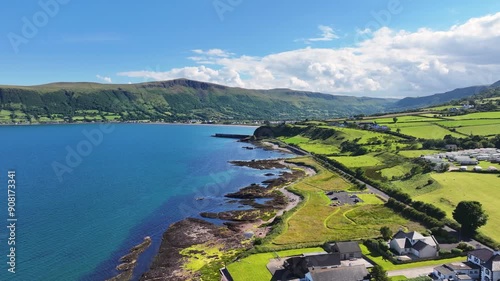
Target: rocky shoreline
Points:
(191, 234)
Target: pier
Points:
(231, 136)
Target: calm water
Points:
(82, 202)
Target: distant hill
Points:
(438, 99)
(175, 100)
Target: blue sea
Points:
(86, 194)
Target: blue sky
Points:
(339, 47)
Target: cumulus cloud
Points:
(105, 79)
(387, 62)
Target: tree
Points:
(398, 130)
(470, 215)
(379, 274)
(395, 119)
(386, 232)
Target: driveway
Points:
(412, 272)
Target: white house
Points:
(458, 271)
(489, 262)
(414, 243)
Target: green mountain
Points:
(175, 100)
(441, 98)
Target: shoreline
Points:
(239, 229)
(132, 122)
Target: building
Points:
(347, 273)
(458, 271)
(466, 160)
(414, 243)
(488, 261)
(300, 266)
(451, 147)
(347, 250)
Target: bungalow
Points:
(414, 243)
(347, 250)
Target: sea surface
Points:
(86, 194)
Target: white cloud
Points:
(387, 62)
(327, 34)
(104, 78)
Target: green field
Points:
(370, 199)
(387, 265)
(254, 267)
(364, 221)
(457, 187)
(5, 115)
(429, 131)
(396, 171)
(417, 185)
(417, 153)
(479, 115)
(465, 123)
(405, 119)
(367, 160)
(316, 221)
(482, 130)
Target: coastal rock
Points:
(129, 261)
(167, 264)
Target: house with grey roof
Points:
(347, 273)
(489, 262)
(347, 250)
(414, 243)
(458, 271)
(482, 264)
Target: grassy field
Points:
(317, 221)
(406, 119)
(370, 199)
(364, 221)
(5, 115)
(396, 171)
(457, 187)
(367, 160)
(428, 131)
(417, 185)
(466, 123)
(479, 115)
(417, 153)
(254, 267)
(482, 130)
(387, 265)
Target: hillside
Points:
(437, 99)
(175, 100)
